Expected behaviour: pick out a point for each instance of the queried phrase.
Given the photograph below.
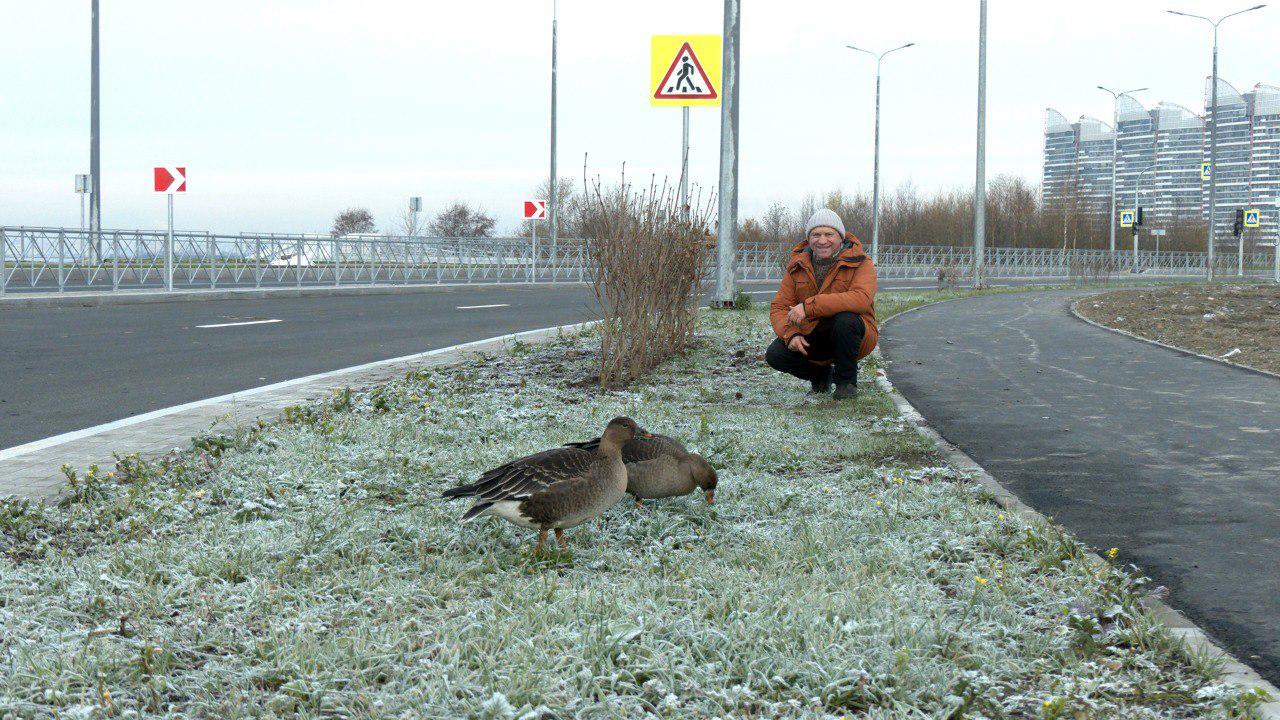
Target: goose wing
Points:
(519, 479)
(641, 448)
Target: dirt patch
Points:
(1237, 323)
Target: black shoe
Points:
(846, 391)
(821, 384)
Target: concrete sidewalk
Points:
(33, 469)
(1173, 459)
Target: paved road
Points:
(1175, 460)
(65, 369)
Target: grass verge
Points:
(307, 568)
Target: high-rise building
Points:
(1135, 152)
(1094, 146)
(1264, 163)
(1179, 150)
(1231, 174)
(1058, 180)
(1158, 154)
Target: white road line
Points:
(480, 307)
(34, 445)
(246, 322)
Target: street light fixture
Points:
(1213, 133)
(1115, 136)
(875, 178)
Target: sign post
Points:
(169, 180)
(684, 70)
(535, 210)
(82, 188)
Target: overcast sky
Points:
(288, 111)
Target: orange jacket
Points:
(850, 286)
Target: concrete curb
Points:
(1196, 640)
(1075, 311)
(138, 297)
(34, 469)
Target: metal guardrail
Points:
(62, 259)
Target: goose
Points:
(554, 489)
(659, 466)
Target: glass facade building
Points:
(1158, 154)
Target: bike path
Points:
(1175, 460)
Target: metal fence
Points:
(61, 259)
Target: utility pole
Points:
(980, 182)
(727, 229)
(1213, 131)
(1115, 144)
(684, 163)
(95, 137)
(555, 195)
(875, 173)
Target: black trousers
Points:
(836, 338)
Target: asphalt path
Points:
(1173, 459)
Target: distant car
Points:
(290, 260)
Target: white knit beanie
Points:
(824, 217)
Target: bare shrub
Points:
(648, 261)
(354, 220)
(949, 275)
(460, 220)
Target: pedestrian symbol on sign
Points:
(684, 76)
(685, 79)
(1252, 218)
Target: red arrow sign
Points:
(535, 209)
(171, 179)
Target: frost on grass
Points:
(307, 568)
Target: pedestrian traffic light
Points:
(1137, 218)
(1238, 226)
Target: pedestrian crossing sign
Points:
(684, 70)
(1252, 218)
(1204, 171)
(1126, 218)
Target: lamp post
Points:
(95, 141)
(980, 180)
(727, 220)
(1213, 129)
(1115, 139)
(555, 199)
(875, 174)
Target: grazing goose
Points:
(555, 489)
(659, 466)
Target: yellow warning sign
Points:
(684, 70)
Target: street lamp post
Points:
(980, 180)
(1115, 138)
(875, 175)
(1213, 128)
(95, 170)
(554, 199)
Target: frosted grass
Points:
(307, 569)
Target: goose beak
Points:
(646, 434)
(711, 497)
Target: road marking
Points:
(480, 307)
(235, 324)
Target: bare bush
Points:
(352, 221)
(460, 220)
(648, 261)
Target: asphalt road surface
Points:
(1173, 459)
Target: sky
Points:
(289, 111)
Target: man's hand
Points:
(796, 315)
(799, 344)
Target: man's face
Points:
(825, 241)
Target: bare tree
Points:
(353, 220)
(568, 213)
(461, 220)
(410, 223)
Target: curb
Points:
(139, 297)
(33, 469)
(1076, 313)
(1196, 640)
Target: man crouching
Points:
(824, 312)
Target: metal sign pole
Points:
(980, 183)
(727, 231)
(168, 250)
(533, 257)
(684, 164)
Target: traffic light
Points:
(1137, 218)
(1238, 227)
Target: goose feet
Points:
(564, 544)
(542, 540)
